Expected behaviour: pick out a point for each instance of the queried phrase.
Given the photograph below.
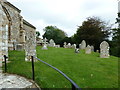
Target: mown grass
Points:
(88, 71)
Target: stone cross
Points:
(88, 49)
(45, 44)
(83, 44)
(104, 50)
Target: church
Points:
(15, 32)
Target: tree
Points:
(93, 31)
(52, 32)
(37, 35)
(115, 50)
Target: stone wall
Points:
(3, 34)
(30, 40)
(15, 32)
(13, 15)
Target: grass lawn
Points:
(88, 71)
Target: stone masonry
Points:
(15, 32)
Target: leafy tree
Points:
(93, 31)
(115, 50)
(37, 35)
(52, 32)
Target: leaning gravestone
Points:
(45, 45)
(104, 50)
(83, 45)
(88, 50)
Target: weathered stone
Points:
(45, 44)
(15, 32)
(97, 51)
(74, 46)
(57, 46)
(92, 48)
(65, 45)
(88, 49)
(79, 46)
(15, 81)
(104, 50)
(69, 45)
(83, 44)
(52, 43)
(19, 47)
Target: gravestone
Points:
(83, 44)
(45, 44)
(79, 46)
(88, 49)
(92, 48)
(52, 43)
(69, 45)
(97, 51)
(19, 47)
(74, 46)
(104, 50)
(65, 45)
(57, 46)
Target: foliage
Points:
(115, 43)
(52, 32)
(88, 71)
(115, 50)
(93, 31)
(37, 33)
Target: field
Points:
(87, 71)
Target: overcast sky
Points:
(65, 14)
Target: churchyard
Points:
(87, 66)
(86, 70)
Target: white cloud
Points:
(65, 14)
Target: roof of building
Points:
(27, 23)
(11, 5)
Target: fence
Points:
(74, 85)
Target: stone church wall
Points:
(30, 40)
(15, 32)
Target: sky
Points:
(67, 15)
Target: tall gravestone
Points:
(83, 45)
(104, 50)
(88, 49)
